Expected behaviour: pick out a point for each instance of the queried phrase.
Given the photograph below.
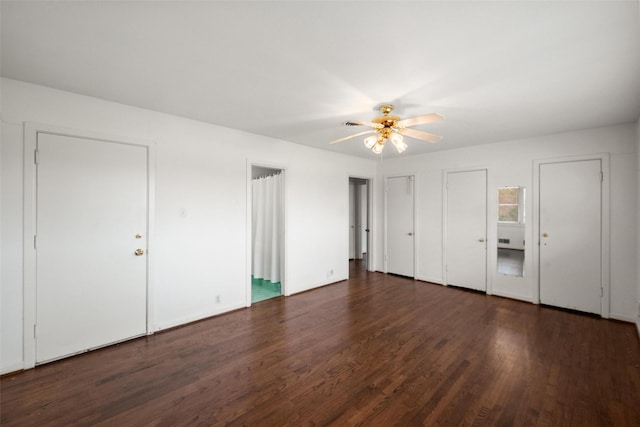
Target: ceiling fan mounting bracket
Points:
(386, 108)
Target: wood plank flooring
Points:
(375, 350)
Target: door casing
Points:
(249, 250)
(370, 203)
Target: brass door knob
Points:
(545, 235)
(410, 234)
(481, 240)
(139, 252)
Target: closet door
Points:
(400, 225)
(570, 235)
(466, 229)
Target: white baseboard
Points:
(13, 367)
(320, 285)
(621, 317)
(429, 279)
(195, 318)
(524, 298)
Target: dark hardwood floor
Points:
(374, 350)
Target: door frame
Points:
(31, 131)
(413, 176)
(249, 223)
(370, 220)
(604, 226)
(445, 223)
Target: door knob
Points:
(545, 235)
(139, 252)
(481, 240)
(409, 234)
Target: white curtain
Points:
(267, 226)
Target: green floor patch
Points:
(262, 289)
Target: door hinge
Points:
(601, 176)
(36, 156)
(35, 241)
(601, 291)
(34, 331)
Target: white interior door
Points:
(91, 287)
(466, 246)
(400, 225)
(570, 235)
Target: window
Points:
(509, 202)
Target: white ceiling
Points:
(297, 70)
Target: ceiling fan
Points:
(388, 127)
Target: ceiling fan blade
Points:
(418, 134)
(360, 123)
(429, 118)
(352, 136)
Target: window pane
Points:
(508, 213)
(508, 196)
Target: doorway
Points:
(465, 261)
(87, 203)
(572, 229)
(399, 218)
(359, 228)
(267, 233)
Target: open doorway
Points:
(359, 221)
(267, 233)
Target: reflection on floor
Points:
(262, 289)
(511, 262)
(358, 267)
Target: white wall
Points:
(203, 169)
(511, 164)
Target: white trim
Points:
(414, 180)
(525, 298)
(31, 131)
(14, 367)
(605, 225)
(621, 317)
(488, 285)
(184, 320)
(249, 227)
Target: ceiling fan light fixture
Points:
(370, 141)
(399, 144)
(377, 149)
(396, 138)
